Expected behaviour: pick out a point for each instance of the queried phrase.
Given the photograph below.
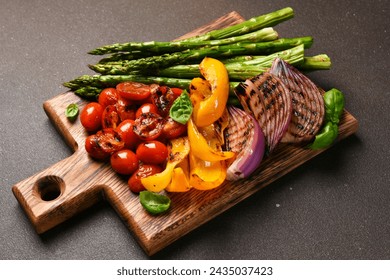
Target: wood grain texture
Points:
(54, 195)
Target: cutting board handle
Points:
(68, 187)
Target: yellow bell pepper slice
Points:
(180, 178)
(209, 107)
(201, 147)
(200, 89)
(179, 148)
(206, 175)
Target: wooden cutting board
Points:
(61, 191)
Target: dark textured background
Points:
(335, 206)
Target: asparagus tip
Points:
(93, 67)
(94, 52)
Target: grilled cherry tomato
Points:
(126, 109)
(91, 116)
(172, 129)
(148, 126)
(163, 98)
(133, 90)
(152, 152)
(109, 140)
(146, 108)
(93, 148)
(126, 133)
(110, 118)
(124, 162)
(177, 91)
(108, 96)
(144, 170)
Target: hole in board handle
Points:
(49, 188)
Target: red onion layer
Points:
(267, 98)
(307, 103)
(244, 137)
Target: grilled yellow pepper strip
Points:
(206, 175)
(178, 151)
(206, 150)
(180, 178)
(209, 107)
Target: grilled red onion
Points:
(244, 137)
(267, 98)
(307, 103)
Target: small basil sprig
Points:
(326, 136)
(334, 106)
(71, 112)
(181, 108)
(154, 203)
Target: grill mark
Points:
(308, 105)
(265, 100)
(234, 142)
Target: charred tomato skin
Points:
(126, 109)
(108, 96)
(109, 140)
(144, 170)
(93, 148)
(148, 126)
(110, 117)
(91, 116)
(163, 97)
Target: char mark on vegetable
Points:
(267, 99)
(307, 103)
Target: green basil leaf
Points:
(325, 137)
(154, 203)
(181, 108)
(334, 105)
(72, 111)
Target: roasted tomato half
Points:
(126, 109)
(133, 90)
(108, 96)
(93, 148)
(163, 98)
(110, 117)
(148, 126)
(109, 140)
